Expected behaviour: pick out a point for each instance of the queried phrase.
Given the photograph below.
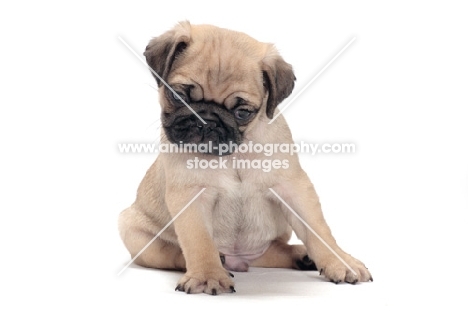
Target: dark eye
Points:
(176, 95)
(242, 114)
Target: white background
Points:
(71, 91)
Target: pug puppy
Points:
(234, 84)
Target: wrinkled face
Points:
(215, 122)
(225, 79)
(222, 86)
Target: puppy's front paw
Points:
(333, 269)
(211, 282)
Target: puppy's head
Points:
(228, 79)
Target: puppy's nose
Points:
(208, 126)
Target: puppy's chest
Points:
(244, 221)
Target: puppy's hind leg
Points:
(159, 254)
(282, 255)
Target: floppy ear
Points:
(163, 50)
(279, 80)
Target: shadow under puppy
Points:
(234, 84)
